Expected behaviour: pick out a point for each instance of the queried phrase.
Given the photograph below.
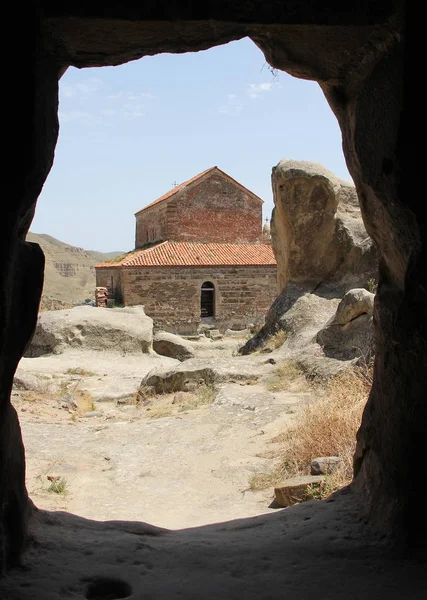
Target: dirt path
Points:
(186, 469)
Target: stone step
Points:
(294, 490)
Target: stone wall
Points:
(213, 210)
(171, 296)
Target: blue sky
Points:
(128, 133)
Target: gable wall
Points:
(216, 210)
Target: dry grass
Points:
(277, 340)
(67, 393)
(285, 376)
(371, 286)
(168, 405)
(203, 396)
(328, 426)
(80, 371)
(272, 343)
(159, 411)
(325, 427)
(58, 486)
(260, 481)
(85, 402)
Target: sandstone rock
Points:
(238, 333)
(317, 227)
(177, 380)
(321, 247)
(186, 376)
(350, 332)
(25, 381)
(295, 489)
(174, 346)
(325, 465)
(126, 330)
(213, 334)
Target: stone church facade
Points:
(201, 257)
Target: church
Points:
(202, 257)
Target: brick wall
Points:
(171, 296)
(212, 210)
(151, 225)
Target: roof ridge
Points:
(178, 188)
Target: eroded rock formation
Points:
(322, 250)
(125, 330)
(317, 229)
(350, 332)
(169, 344)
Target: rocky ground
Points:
(173, 460)
(188, 474)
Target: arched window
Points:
(207, 300)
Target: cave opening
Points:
(361, 58)
(105, 171)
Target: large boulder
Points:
(321, 247)
(125, 330)
(209, 371)
(350, 332)
(164, 381)
(174, 346)
(317, 229)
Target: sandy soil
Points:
(185, 469)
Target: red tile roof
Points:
(189, 254)
(181, 186)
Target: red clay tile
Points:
(179, 254)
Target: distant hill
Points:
(69, 271)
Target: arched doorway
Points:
(207, 299)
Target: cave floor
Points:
(313, 550)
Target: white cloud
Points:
(232, 107)
(255, 90)
(89, 86)
(129, 103)
(78, 103)
(133, 111)
(67, 91)
(74, 115)
(130, 96)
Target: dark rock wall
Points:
(30, 132)
(358, 56)
(376, 121)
